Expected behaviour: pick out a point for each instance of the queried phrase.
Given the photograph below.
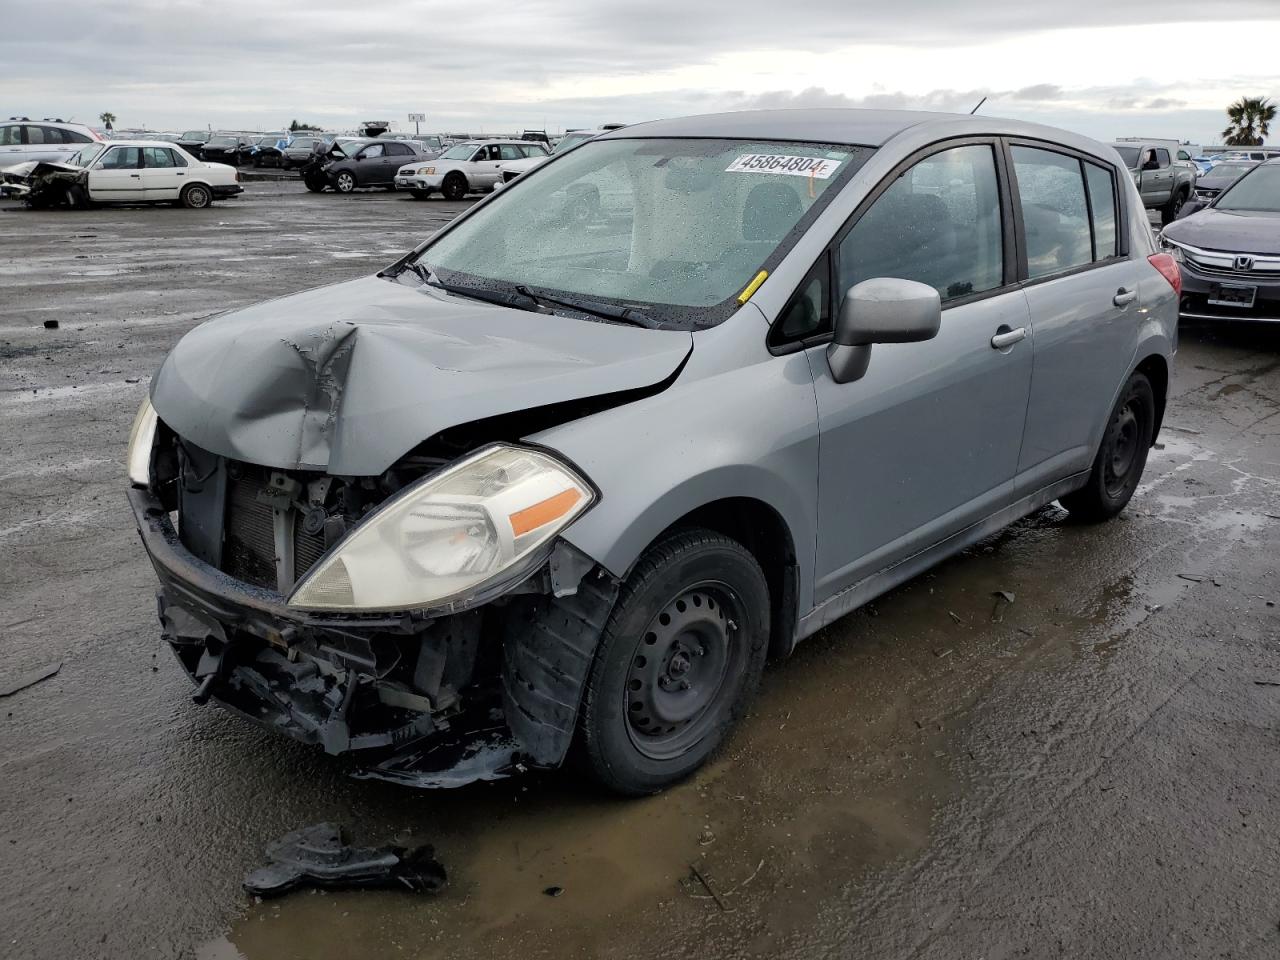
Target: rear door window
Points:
(1102, 207)
(35, 134)
(509, 152)
(1055, 212)
(157, 157)
(1162, 156)
(939, 223)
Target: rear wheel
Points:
(196, 196)
(677, 664)
(1121, 458)
(345, 181)
(454, 186)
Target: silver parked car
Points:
(48, 141)
(550, 484)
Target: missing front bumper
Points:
(429, 700)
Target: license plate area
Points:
(1232, 295)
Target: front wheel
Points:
(1169, 212)
(345, 181)
(454, 186)
(677, 663)
(420, 194)
(1121, 458)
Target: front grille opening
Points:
(249, 546)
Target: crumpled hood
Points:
(348, 378)
(1215, 230)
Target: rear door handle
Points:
(135, 176)
(1008, 338)
(1124, 297)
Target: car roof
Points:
(140, 143)
(869, 128)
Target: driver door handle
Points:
(1124, 297)
(1007, 338)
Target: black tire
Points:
(420, 194)
(678, 661)
(345, 181)
(454, 186)
(1117, 469)
(315, 181)
(196, 196)
(1169, 212)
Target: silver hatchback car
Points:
(557, 483)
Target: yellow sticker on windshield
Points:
(816, 168)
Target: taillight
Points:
(1168, 268)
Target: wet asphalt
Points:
(1089, 771)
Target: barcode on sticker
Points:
(815, 167)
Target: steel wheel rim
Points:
(1124, 449)
(689, 653)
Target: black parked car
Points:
(265, 151)
(367, 163)
(222, 148)
(1209, 185)
(193, 142)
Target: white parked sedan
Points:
(467, 167)
(127, 171)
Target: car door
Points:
(163, 174)
(117, 175)
(369, 164)
(486, 166)
(396, 155)
(1082, 291)
(927, 441)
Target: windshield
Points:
(305, 142)
(195, 135)
(1230, 169)
(1258, 191)
(571, 140)
(677, 228)
(223, 142)
(85, 156)
(459, 151)
(1129, 155)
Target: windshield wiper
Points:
(625, 315)
(425, 274)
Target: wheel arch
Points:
(1156, 369)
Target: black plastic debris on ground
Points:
(319, 856)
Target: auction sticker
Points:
(815, 167)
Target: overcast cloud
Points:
(1111, 69)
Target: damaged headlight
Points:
(449, 535)
(141, 439)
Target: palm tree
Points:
(1250, 121)
(107, 118)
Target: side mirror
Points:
(880, 310)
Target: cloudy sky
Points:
(1102, 67)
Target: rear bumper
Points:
(226, 191)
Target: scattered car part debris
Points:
(1002, 597)
(1193, 577)
(30, 679)
(706, 884)
(553, 891)
(1267, 683)
(51, 324)
(319, 856)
